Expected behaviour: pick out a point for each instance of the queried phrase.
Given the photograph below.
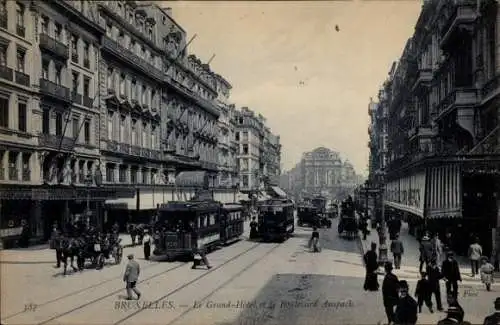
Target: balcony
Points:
(458, 97)
(76, 98)
(424, 76)
(54, 90)
(26, 175)
(13, 174)
(462, 12)
(54, 141)
(135, 151)
(490, 87)
(54, 46)
(22, 79)
(131, 59)
(87, 102)
(20, 31)
(6, 73)
(3, 21)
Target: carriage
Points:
(276, 220)
(99, 249)
(348, 225)
(307, 214)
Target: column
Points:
(139, 175)
(452, 186)
(76, 171)
(447, 187)
(458, 187)
(432, 188)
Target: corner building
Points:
(443, 149)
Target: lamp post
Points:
(383, 251)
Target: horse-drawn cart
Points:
(347, 227)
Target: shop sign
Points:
(11, 232)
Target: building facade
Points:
(101, 112)
(443, 133)
(321, 172)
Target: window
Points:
(20, 60)
(26, 166)
(3, 55)
(86, 131)
(110, 78)
(58, 75)
(45, 69)
(122, 84)
(237, 136)
(45, 25)
(134, 89)
(123, 174)
(4, 112)
(153, 137)
(22, 117)
(74, 48)
(144, 142)
(110, 173)
(143, 95)
(59, 123)
(150, 34)
(76, 127)
(110, 125)
(86, 55)
(245, 180)
(58, 32)
(86, 86)
(20, 14)
(134, 132)
(46, 121)
(75, 82)
(153, 98)
(122, 128)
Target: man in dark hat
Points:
(371, 266)
(434, 275)
(451, 273)
(390, 294)
(494, 318)
(457, 310)
(406, 310)
(452, 317)
(131, 276)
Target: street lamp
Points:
(383, 257)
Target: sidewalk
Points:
(410, 259)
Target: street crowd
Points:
(437, 262)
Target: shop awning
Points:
(278, 192)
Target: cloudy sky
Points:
(286, 61)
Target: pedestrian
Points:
(455, 307)
(475, 253)
(494, 318)
(426, 251)
(314, 241)
(199, 256)
(406, 309)
(448, 241)
(147, 244)
(451, 274)
(437, 246)
(371, 266)
(253, 228)
(397, 250)
(131, 277)
(487, 270)
(453, 317)
(434, 275)
(390, 292)
(423, 293)
(55, 243)
(364, 227)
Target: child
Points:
(423, 292)
(486, 272)
(314, 241)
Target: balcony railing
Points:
(76, 98)
(54, 46)
(13, 174)
(53, 141)
(22, 79)
(3, 21)
(26, 175)
(87, 102)
(131, 58)
(20, 31)
(458, 97)
(490, 87)
(463, 12)
(135, 150)
(6, 73)
(50, 88)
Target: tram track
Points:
(156, 275)
(223, 285)
(81, 290)
(195, 280)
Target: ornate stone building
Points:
(321, 171)
(443, 131)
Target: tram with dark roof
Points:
(276, 219)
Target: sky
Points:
(287, 61)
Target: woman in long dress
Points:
(371, 266)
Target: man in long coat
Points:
(371, 266)
(390, 292)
